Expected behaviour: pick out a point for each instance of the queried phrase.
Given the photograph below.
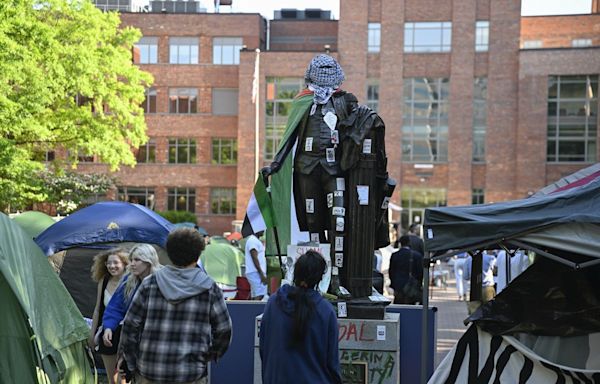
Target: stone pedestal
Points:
(369, 350)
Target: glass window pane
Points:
(573, 90)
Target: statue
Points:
(333, 153)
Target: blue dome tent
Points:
(73, 242)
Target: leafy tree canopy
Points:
(67, 82)
(69, 190)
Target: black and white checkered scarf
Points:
(323, 76)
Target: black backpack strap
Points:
(102, 306)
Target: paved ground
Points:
(450, 316)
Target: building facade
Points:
(480, 104)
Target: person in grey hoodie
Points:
(178, 321)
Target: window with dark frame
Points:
(479, 118)
(149, 105)
(223, 201)
(572, 118)
(181, 199)
(425, 120)
(182, 151)
(373, 95)
(146, 153)
(137, 195)
(280, 94)
(183, 100)
(477, 196)
(224, 151)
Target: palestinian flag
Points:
(259, 214)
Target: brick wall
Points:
(559, 31)
(303, 35)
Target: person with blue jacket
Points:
(299, 330)
(143, 261)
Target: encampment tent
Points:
(42, 334)
(33, 222)
(554, 302)
(106, 222)
(223, 263)
(73, 242)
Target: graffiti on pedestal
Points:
(378, 366)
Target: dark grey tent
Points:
(566, 220)
(560, 223)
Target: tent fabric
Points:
(573, 180)
(34, 222)
(59, 329)
(461, 227)
(547, 299)
(479, 357)
(223, 262)
(105, 222)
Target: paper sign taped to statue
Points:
(308, 144)
(330, 119)
(339, 224)
(340, 183)
(367, 146)
(310, 206)
(329, 200)
(295, 251)
(363, 194)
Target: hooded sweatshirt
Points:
(316, 360)
(177, 323)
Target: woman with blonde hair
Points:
(143, 261)
(107, 270)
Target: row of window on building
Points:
(418, 38)
(183, 151)
(537, 44)
(572, 117)
(222, 200)
(425, 37)
(185, 101)
(184, 50)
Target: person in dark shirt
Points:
(299, 330)
(414, 235)
(400, 264)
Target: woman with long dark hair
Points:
(299, 330)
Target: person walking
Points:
(256, 266)
(406, 267)
(488, 292)
(143, 261)
(299, 330)
(461, 283)
(107, 270)
(178, 321)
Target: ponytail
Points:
(308, 272)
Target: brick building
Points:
(480, 104)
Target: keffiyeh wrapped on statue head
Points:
(323, 76)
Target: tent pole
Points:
(543, 253)
(424, 321)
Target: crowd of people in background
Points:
(143, 307)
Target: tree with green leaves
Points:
(67, 83)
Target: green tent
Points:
(222, 261)
(42, 334)
(33, 222)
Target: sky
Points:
(266, 7)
